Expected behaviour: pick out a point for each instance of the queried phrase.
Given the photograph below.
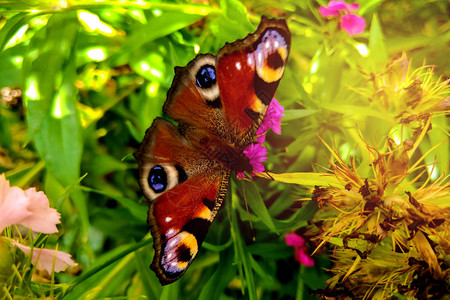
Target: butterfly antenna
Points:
(270, 176)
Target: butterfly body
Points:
(218, 103)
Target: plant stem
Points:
(300, 283)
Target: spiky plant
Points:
(408, 96)
(389, 230)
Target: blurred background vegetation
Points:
(81, 81)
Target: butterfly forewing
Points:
(248, 73)
(229, 93)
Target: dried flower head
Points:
(408, 97)
(386, 230)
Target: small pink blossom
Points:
(272, 120)
(256, 154)
(29, 208)
(351, 23)
(46, 259)
(334, 8)
(300, 252)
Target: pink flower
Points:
(256, 154)
(300, 253)
(335, 7)
(351, 23)
(272, 120)
(29, 208)
(46, 259)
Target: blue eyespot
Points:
(157, 179)
(206, 76)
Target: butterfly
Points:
(218, 103)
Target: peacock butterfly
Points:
(218, 103)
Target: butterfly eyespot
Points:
(270, 56)
(206, 76)
(275, 61)
(157, 179)
(184, 253)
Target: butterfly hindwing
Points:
(186, 190)
(180, 219)
(165, 159)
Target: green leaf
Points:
(270, 250)
(356, 111)
(139, 211)
(94, 273)
(157, 27)
(10, 28)
(233, 24)
(5, 132)
(294, 114)
(299, 218)
(242, 256)
(305, 178)
(377, 48)
(236, 12)
(45, 64)
(256, 203)
(24, 174)
(221, 278)
(50, 95)
(149, 280)
(326, 75)
(11, 66)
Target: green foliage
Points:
(81, 81)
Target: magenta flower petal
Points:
(261, 138)
(329, 11)
(256, 154)
(353, 7)
(300, 251)
(353, 24)
(272, 120)
(334, 8)
(303, 258)
(293, 239)
(46, 259)
(326, 12)
(275, 114)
